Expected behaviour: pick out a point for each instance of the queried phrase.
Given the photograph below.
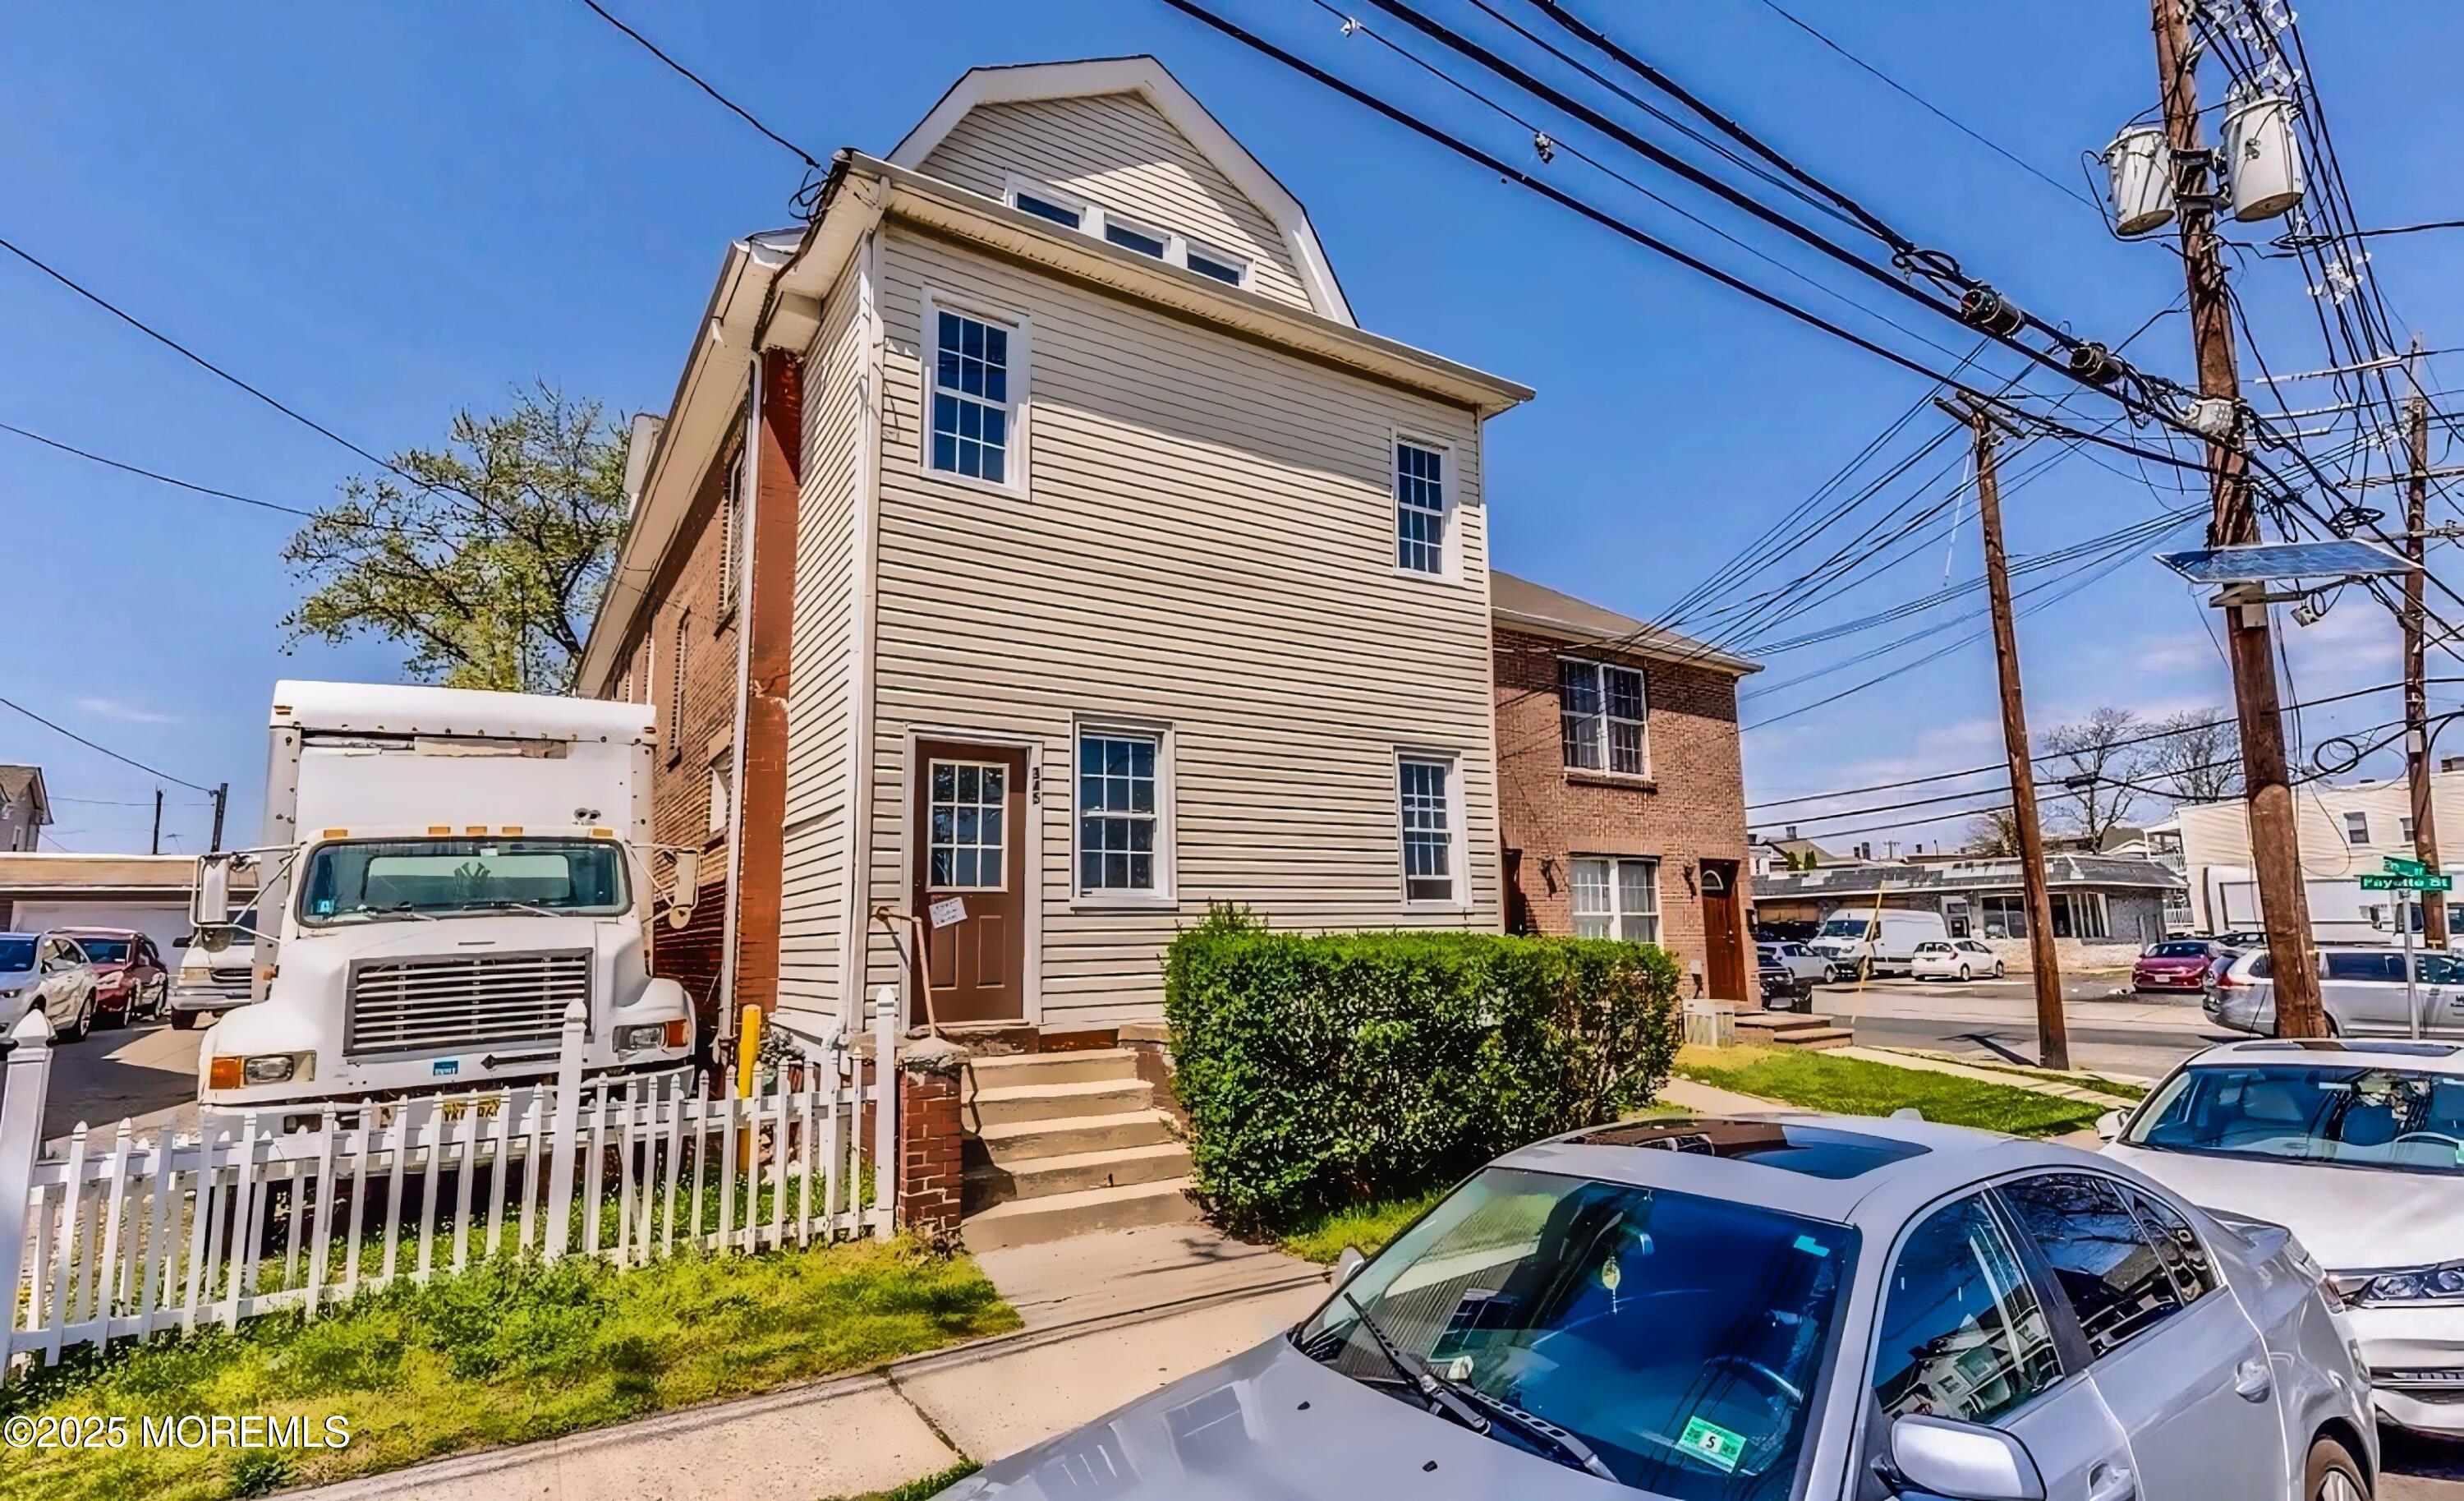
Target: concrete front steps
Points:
(1792, 1029)
(1066, 1143)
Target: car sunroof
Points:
(1814, 1151)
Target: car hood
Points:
(2352, 1219)
(1274, 1426)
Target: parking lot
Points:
(147, 1074)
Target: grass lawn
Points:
(1856, 1087)
(506, 1352)
(923, 1489)
(2119, 1089)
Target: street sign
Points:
(2392, 882)
(2398, 865)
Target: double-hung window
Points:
(974, 400)
(1425, 792)
(2357, 828)
(1601, 718)
(1120, 813)
(1617, 899)
(1420, 508)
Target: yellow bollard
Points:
(748, 1049)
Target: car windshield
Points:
(2356, 1116)
(106, 951)
(16, 954)
(2178, 951)
(1679, 1340)
(362, 879)
(1845, 928)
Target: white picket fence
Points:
(137, 1233)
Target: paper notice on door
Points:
(947, 911)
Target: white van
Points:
(1876, 942)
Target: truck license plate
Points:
(445, 1067)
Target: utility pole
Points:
(158, 820)
(2266, 789)
(2417, 688)
(2052, 1030)
(222, 797)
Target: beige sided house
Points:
(1127, 573)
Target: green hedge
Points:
(1325, 1071)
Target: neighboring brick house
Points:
(1093, 565)
(1621, 794)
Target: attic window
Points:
(1052, 209)
(1229, 270)
(1137, 239)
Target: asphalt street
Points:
(147, 1074)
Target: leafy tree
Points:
(485, 557)
(2092, 769)
(2199, 760)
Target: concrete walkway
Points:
(1109, 1318)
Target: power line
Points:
(704, 84)
(176, 482)
(1933, 109)
(151, 771)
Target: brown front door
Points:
(1724, 942)
(971, 850)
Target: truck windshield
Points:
(361, 880)
(1846, 927)
(1679, 1340)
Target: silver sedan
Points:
(1769, 1308)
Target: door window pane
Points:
(965, 834)
(2117, 1281)
(1962, 1335)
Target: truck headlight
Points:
(2440, 1284)
(228, 1073)
(653, 1034)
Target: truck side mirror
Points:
(687, 887)
(209, 898)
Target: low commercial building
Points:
(2105, 909)
(148, 892)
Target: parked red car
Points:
(131, 979)
(2178, 965)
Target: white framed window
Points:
(1428, 796)
(2404, 829)
(967, 804)
(1071, 211)
(2357, 828)
(1602, 718)
(974, 377)
(1616, 898)
(1124, 824)
(1423, 511)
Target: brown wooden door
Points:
(971, 848)
(1723, 940)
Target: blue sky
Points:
(382, 213)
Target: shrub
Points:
(1321, 1071)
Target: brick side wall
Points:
(930, 1141)
(1691, 809)
(769, 614)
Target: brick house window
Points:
(1617, 899)
(1601, 717)
(721, 796)
(677, 652)
(731, 531)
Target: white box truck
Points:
(1878, 942)
(442, 872)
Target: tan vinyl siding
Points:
(1207, 543)
(1116, 150)
(814, 886)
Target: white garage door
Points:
(162, 921)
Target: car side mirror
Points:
(1348, 1265)
(2108, 1126)
(209, 898)
(1963, 1461)
(180, 942)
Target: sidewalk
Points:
(1109, 1318)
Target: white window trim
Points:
(1093, 220)
(1166, 895)
(1603, 771)
(1459, 848)
(1021, 373)
(1450, 523)
(2357, 836)
(1618, 913)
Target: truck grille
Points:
(441, 1003)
